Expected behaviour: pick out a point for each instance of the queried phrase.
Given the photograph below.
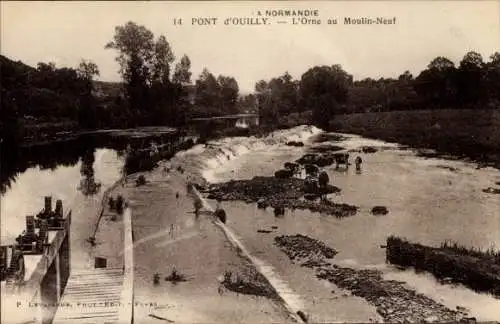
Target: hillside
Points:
(39, 102)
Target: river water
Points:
(26, 193)
(429, 201)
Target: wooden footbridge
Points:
(92, 296)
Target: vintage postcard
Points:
(250, 162)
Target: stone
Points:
(380, 210)
(283, 174)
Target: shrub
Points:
(175, 277)
(141, 180)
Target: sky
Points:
(66, 32)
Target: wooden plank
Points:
(90, 294)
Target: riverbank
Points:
(394, 302)
(185, 269)
(476, 269)
(461, 133)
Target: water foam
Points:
(204, 160)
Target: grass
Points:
(249, 282)
(474, 134)
(479, 270)
(175, 277)
(491, 253)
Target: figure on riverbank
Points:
(358, 162)
(197, 206)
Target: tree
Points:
(406, 76)
(323, 89)
(136, 49)
(268, 112)
(182, 73)
(46, 67)
(162, 59)
(145, 65)
(87, 116)
(470, 79)
(492, 78)
(437, 85)
(228, 94)
(87, 70)
(441, 64)
(277, 98)
(207, 92)
(248, 103)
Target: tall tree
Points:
(470, 78)
(492, 78)
(87, 116)
(268, 112)
(136, 49)
(323, 89)
(162, 59)
(207, 92)
(182, 73)
(228, 94)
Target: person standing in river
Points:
(358, 162)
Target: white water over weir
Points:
(216, 154)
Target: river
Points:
(429, 201)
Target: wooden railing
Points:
(126, 314)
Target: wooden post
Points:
(30, 227)
(59, 209)
(58, 277)
(48, 204)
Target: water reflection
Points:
(88, 185)
(71, 171)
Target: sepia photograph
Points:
(203, 162)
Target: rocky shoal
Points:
(395, 302)
(278, 193)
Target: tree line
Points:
(154, 91)
(157, 89)
(329, 90)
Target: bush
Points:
(141, 180)
(175, 277)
